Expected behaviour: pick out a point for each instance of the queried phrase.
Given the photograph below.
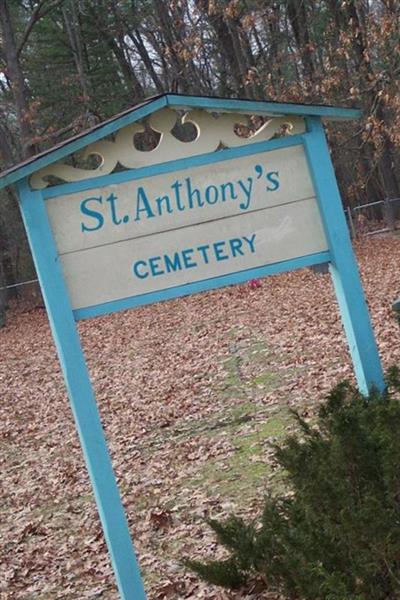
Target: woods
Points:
(68, 64)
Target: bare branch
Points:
(41, 10)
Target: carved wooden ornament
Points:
(212, 133)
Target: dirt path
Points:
(191, 393)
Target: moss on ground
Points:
(248, 471)
(246, 424)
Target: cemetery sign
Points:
(247, 191)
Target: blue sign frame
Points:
(63, 318)
(169, 167)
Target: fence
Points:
(381, 212)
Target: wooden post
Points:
(343, 266)
(80, 393)
(389, 215)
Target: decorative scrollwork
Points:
(212, 132)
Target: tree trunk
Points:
(298, 20)
(17, 81)
(131, 81)
(386, 166)
(181, 81)
(6, 154)
(225, 45)
(73, 29)
(140, 46)
(26, 147)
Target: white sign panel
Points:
(165, 231)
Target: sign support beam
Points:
(80, 392)
(343, 266)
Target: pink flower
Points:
(254, 284)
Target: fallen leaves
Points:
(191, 393)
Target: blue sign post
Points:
(180, 220)
(343, 267)
(81, 395)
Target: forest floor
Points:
(192, 392)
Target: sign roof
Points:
(179, 102)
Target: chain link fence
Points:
(373, 218)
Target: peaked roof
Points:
(177, 101)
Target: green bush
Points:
(336, 534)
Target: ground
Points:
(192, 392)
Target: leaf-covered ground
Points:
(191, 394)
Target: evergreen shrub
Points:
(336, 534)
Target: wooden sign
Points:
(156, 233)
(181, 218)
